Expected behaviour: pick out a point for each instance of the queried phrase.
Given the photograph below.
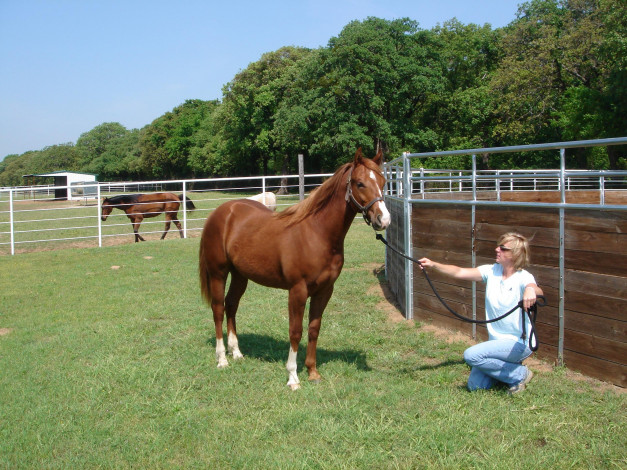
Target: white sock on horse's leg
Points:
(221, 354)
(293, 381)
(234, 347)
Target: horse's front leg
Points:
(236, 290)
(319, 302)
(136, 221)
(296, 306)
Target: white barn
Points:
(64, 180)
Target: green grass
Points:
(115, 368)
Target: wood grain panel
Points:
(595, 277)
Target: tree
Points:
(369, 88)
(110, 151)
(94, 143)
(247, 115)
(530, 78)
(53, 158)
(166, 144)
(119, 161)
(464, 113)
(562, 76)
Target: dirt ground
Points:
(394, 315)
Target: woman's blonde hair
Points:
(520, 249)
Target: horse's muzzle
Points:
(378, 224)
(381, 219)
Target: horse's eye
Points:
(361, 185)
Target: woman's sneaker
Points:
(520, 386)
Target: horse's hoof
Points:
(294, 386)
(223, 364)
(237, 355)
(314, 377)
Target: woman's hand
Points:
(529, 297)
(426, 263)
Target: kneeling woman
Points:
(507, 282)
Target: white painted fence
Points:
(31, 219)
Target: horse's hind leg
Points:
(316, 308)
(178, 224)
(168, 218)
(165, 230)
(236, 290)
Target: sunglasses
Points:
(504, 248)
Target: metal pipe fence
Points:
(407, 186)
(31, 218)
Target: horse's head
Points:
(106, 209)
(364, 190)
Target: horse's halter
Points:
(350, 198)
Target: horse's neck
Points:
(336, 219)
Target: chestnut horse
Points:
(300, 250)
(140, 206)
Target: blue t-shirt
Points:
(500, 297)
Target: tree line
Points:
(557, 72)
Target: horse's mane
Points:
(318, 199)
(123, 199)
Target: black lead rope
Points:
(532, 312)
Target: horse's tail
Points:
(188, 203)
(203, 271)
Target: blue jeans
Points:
(496, 361)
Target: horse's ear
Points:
(378, 158)
(358, 156)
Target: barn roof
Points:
(59, 173)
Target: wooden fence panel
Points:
(595, 276)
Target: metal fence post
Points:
(301, 177)
(11, 222)
(99, 216)
(560, 344)
(473, 256)
(184, 202)
(409, 278)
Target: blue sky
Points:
(67, 66)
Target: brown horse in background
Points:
(300, 249)
(140, 206)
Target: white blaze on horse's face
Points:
(381, 221)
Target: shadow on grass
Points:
(380, 274)
(429, 367)
(269, 349)
(447, 363)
